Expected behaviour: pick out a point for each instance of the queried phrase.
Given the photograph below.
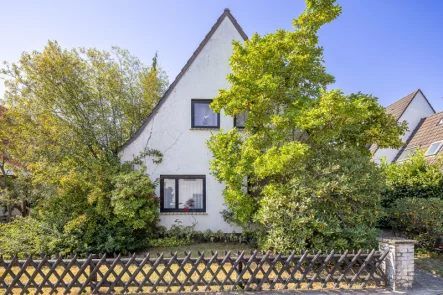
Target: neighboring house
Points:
(179, 127)
(412, 108)
(427, 135)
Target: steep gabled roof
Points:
(428, 132)
(226, 13)
(398, 108)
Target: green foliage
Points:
(420, 219)
(331, 200)
(94, 234)
(134, 201)
(28, 236)
(415, 177)
(166, 242)
(180, 235)
(69, 111)
(299, 175)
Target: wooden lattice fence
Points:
(188, 273)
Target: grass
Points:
(430, 262)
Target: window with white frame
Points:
(182, 193)
(434, 148)
(440, 122)
(407, 153)
(202, 115)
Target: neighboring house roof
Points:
(398, 108)
(428, 132)
(225, 14)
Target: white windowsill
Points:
(183, 213)
(205, 129)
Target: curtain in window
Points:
(203, 115)
(190, 189)
(169, 193)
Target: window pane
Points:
(433, 149)
(190, 193)
(169, 193)
(240, 120)
(406, 153)
(204, 116)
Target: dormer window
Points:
(434, 148)
(202, 115)
(440, 122)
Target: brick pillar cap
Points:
(396, 241)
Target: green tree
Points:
(299, 175)
(70, 111)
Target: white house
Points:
(179, 127)
(182, 122)
(412, 108)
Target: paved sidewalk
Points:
(426, 284)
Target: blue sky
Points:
(387, 48)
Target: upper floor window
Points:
(434, 148)
(181, 193)
(202, 115)
(407, 153)
(240, 120)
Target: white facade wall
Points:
(169, 131)
(418, 108)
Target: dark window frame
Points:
(193, 102)
(177, 192)
(235, 124)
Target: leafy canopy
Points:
(69, 110)
(300, 174)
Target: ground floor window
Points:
(183, 193)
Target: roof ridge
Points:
(413, 93)
(226, 13)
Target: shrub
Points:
(414, 178)
(28, 236)
(166, 242)
(134, 201)
(420, 219)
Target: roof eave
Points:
(226, 13)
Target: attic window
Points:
(434, 148)
(202, 115)
(440, 122)
(407, 153)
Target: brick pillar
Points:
(399, 263)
